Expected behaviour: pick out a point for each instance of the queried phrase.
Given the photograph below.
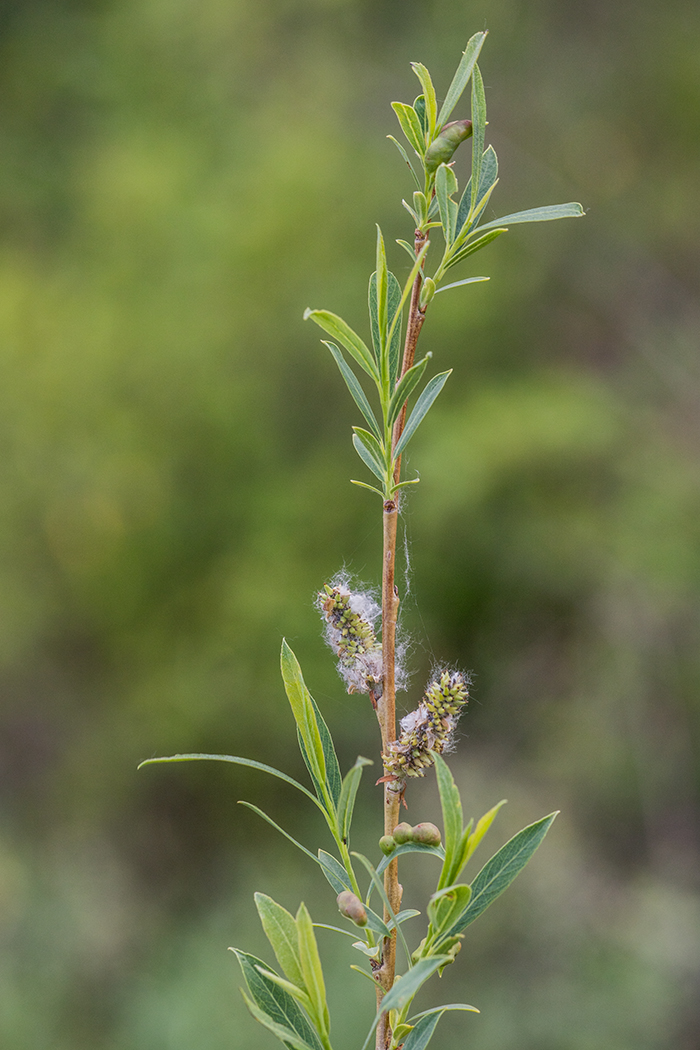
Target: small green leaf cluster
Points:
(433, 139)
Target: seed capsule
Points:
(441, 150)
(427, 834)
(387, 844)
(352, 907)
(403, 833)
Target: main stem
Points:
(386, 709)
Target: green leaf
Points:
(409, 382)
(410, 125)
(503, 867)
(284, 1034)
(409, 847)
(419, 106)
(311, 967)
(377, 924)
(348, 794)
(457, 284)
(354, 387)
(381, 279)
(235, 760)
(403, 153)
(478, 131)
(281, 931)
(445, 186)
(407, 248)
(446, 907)
(370, 441)
(488, 179)
(393, 300)
(364, 485)
(340, 330)
(429, 95)
(480, 830)
(401, 916)
(461, 77)
(368, 458)
(424, 1028)
(452, 819)
(274, 1001)
(292, 989)
(475, 246)
(573, 210)
(255, 809)
(420, 409)
(334, 872)
(317, 745)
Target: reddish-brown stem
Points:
(386, 711)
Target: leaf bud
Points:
(403, 833)
(427, 292)
(387, 844)
(440, 151)
(427, 834)
(352, 908)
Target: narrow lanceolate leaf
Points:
(284, 1034)
(429, 94)
(478, 130)
(480, 830)
(445, 186)
(410, 125)
(458, 284)
(475, 246)
(375, 465)
(236, 761)
(426, 1023)
(500, 871)
(452, 819)
(420, 409)
(382, 292)
(333, 777)
(340, 330)
(346, 805)
(461, 77)
(393, 300)
(304, 713)
(281, 931)
(374, 446)
(353, 385)
(419, 107)
(255, 809)
(410, 847)
(573, 210)
(334, 872)
(403, 153)
(274, 1001)
(409, 382)
(311, 967)
(375, 923)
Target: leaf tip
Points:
(307, 313)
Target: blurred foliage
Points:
(178, 181)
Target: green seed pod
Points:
(427, 834)
(403, 833)
(387, 845)
(352, 907)
(427, 292)
(440, 151)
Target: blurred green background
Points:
(178, 181)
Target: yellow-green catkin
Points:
(428, 730)
(350, 633)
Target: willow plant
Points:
(292, 1003)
